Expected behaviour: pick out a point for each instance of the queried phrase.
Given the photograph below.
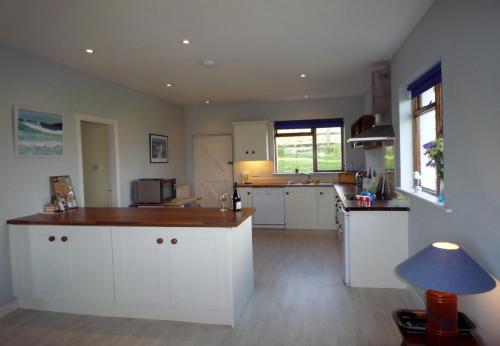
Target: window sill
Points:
(312, 173)
(424, 196)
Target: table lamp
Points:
(445, 270)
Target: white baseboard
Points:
(8, 308)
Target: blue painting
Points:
(38, 133)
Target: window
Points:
(309, 145)
(427, 124)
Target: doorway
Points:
(213, 167)
(98, 157)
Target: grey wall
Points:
(218, 119)
(465, 36)
(24, 182)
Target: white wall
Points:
(24, 182)
(218, 119)
(465, 36)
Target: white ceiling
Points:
(260, 46)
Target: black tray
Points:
(414, 321)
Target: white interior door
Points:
(213, 168)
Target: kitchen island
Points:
(192, 265)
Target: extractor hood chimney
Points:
(381, 108)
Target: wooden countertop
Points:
(257, 185)
(345, 190)
(146, 217)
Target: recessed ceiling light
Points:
(207, 101)
(306, 96)
(89, 51)
(303, 75)
(169, 85)
(186, 41)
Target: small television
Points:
(154, 191)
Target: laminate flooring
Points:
(299, 300)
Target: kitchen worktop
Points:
(147, 217)
(345, 190)
(278, 184)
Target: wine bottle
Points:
(236, 199)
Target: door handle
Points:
(230, 162)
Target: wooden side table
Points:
(410, 339)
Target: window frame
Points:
(315, 148)
(417, 111)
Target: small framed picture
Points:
(37, 133)
(158, 148)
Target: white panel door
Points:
(141, 266)
(36, 262)
(246, 197)
(213, 156)
(200, 269)
(326, 206)
(269, 206)
(87, 264)
(300, 206)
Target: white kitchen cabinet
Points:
(68, 262)
(87, 265)
(300, 207)
(36, 262)
(199, 269)
(251, 141)
(269, 207)
(325, 197)
(246, 197)
(141, 266)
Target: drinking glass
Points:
(223, 197)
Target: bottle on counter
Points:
(236, 198)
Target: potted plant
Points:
(435, 153)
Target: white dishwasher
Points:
(269, 204)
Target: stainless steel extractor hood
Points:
(381, 108)
(375, 133)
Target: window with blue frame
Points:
(309, 145)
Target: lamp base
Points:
(442, 317)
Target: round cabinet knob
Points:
(287, 193)
(248, 193)
(246, 152)
(64, 238)
(159, 241)
(173, 241)
(321, 193)
(253, 151)
(52, 238)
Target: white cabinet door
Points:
(141, 266)
(36, 262)
(87, 265)
(300, 207)
(246, 197)
(326, 206)
(199, 269)
(251, 141)
(269, 206)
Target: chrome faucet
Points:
(309, 179)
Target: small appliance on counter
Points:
(154, 191)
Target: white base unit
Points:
(374, 243)
(202, 275)
(269, 207)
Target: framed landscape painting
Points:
(37, 133)
(158, 148)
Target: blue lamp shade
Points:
(445, 267)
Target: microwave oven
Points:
(154, 191)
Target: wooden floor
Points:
(299, 300)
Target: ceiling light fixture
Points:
(169, 85)
(89, 51)
(303, 75)
(306, 96)
(186, 41)
(207, 102)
